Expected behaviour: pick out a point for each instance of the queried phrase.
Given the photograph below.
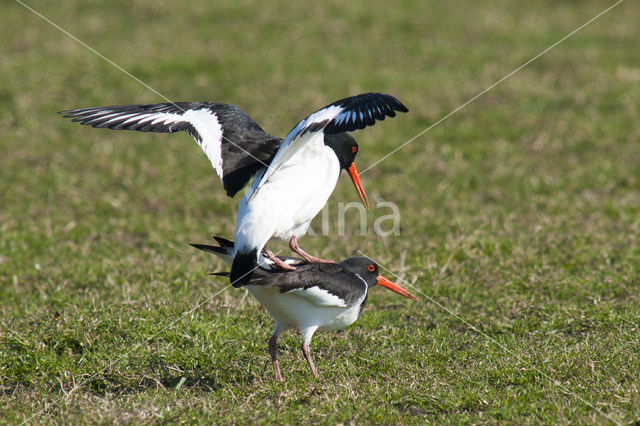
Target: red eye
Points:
(354, 149)
(371, 268)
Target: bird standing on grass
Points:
(315, 296)
(292, 178)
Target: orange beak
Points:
(353, 174)
(394, 287)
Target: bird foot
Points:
(277, 262)
(307, 355)
(276, 369)
(273, 350)
(283, 266)
(313, 259)
(293, 244)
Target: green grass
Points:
(520, 214)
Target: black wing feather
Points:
(357, 113)
(335, 280)
(245, 147)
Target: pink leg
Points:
(293, 244)
(307, 355)
(273, 350)
(277, 261)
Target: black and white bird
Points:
(316, 296)
(292, 178)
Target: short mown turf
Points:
(519, 214)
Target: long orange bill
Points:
(353, 174)
(394, 287)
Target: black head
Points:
(345, 147)
(367, 269)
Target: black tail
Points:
(224, 243)
(243, 267)
(210, 249)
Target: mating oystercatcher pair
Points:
(292, 180)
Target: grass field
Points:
(520, 214)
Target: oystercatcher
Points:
(294, 177)
(316, 296)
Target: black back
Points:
(248, 137)
(347, 280)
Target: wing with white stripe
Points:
(345, 115)
(324, 284)
(236, 146)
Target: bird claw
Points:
(283, 266)
(313, 259)
(293, 244)
(277, 262)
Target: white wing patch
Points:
(207, 125)
(319, 296)
(202, 123)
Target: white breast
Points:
(300, 311)
(290, 198)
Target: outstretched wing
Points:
(345, 115)
(236, 146)
(349, 114)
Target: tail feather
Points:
(243, 266)
(209, 248)
(244, 263)
(224, 243)
(224, 252)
